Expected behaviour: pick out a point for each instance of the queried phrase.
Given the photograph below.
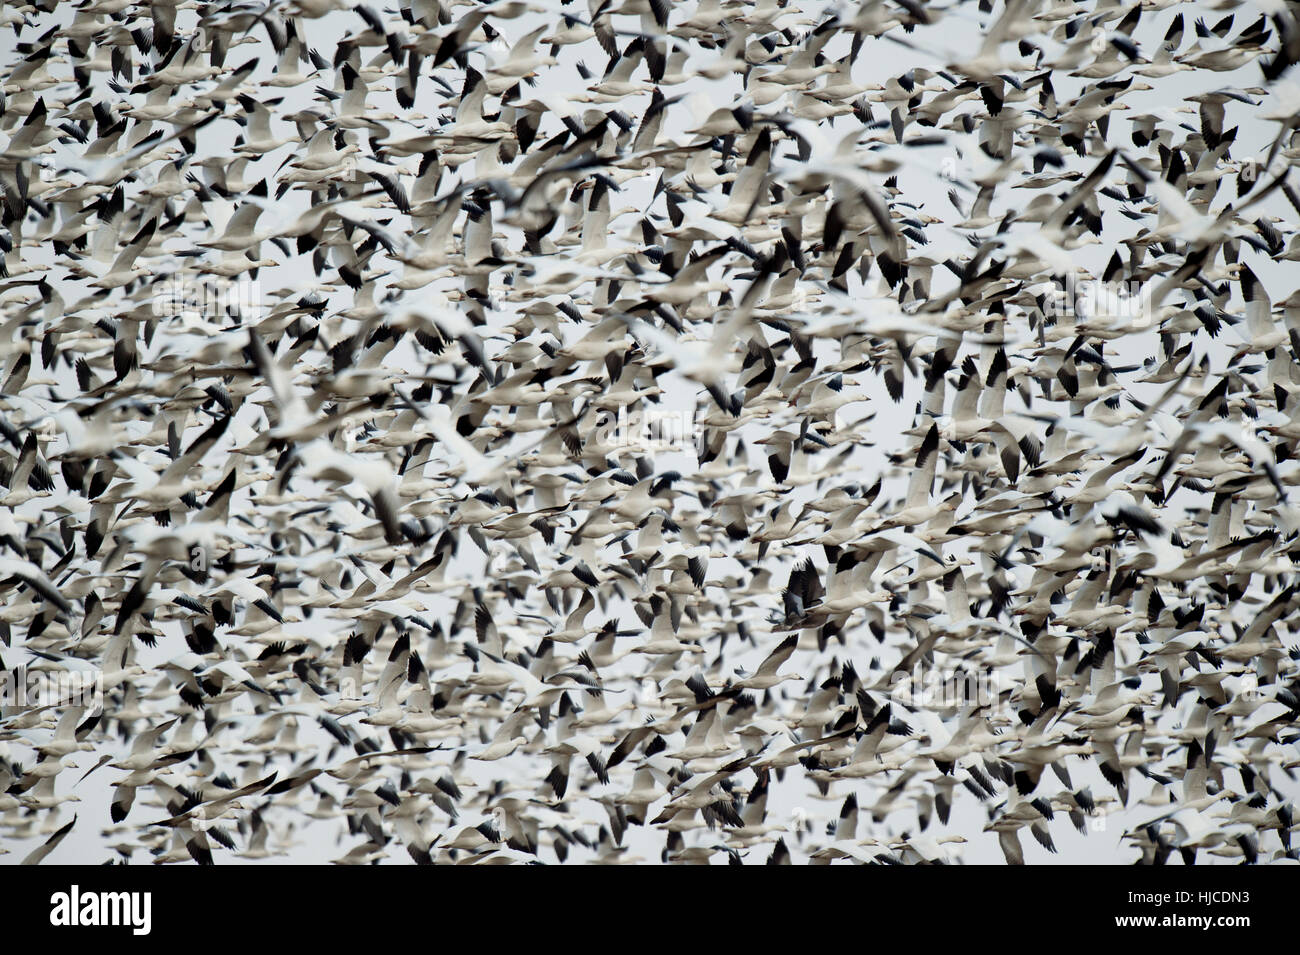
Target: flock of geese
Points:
(336, 341)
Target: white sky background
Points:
(920, 181)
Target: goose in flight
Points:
(401, 455)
